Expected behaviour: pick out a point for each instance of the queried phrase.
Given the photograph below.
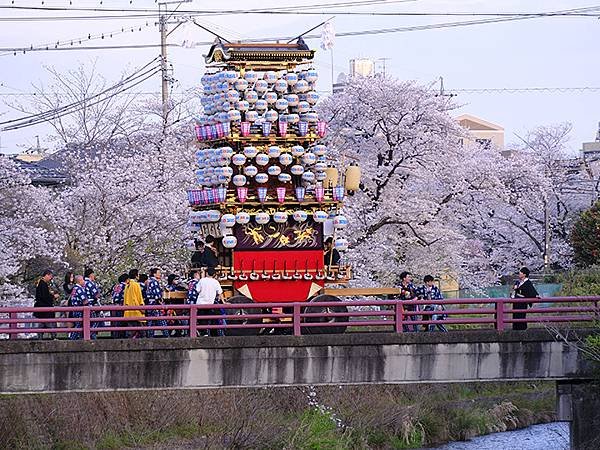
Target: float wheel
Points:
(233, 312)
(342, 320)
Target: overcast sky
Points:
(547, 52)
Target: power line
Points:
(95, 47)
(581, 89)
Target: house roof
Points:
(476, 123)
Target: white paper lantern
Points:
(271, 115)
(320, 166)
(285, 159)
(297, 169)
(293, 118)
(274, 151)
(312, 117)
(271, 97)
(228, 220)
(250, 171)
(300, 215)
(261, 218)
(303, 107)
(250, 151)
(281, 104)
(251, 116)
(341, 244)
(301, 86)
(291, 78)
(270, 77)
(284, 177)
(230, 76)
(311, 75)
(309, 159)
(242, 217)
(319, 150)
(229, 241)
(280, 217)
(320, 216)
(235, 115)
(312, 97)
(251, 76)
(262, 159)
(203, 216)
(340, 222)
(308, 176)
(292, 99)
(273, 171)
(213, 215)
(261, 178)
(297, 151)
(261, 86)
(320, 176)
(238, 159)
(242, 105)
(251, 97)
(281, 85)
(239, 180)
(233, 96)
(261, 106)
(241, 84)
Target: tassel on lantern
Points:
(242, 193)
(302, 128)
(300, 193)
(281, 194)
(283, 126)
(245, 129)
(321, 128)
(262, 194)
(319, 193)
(266, 128)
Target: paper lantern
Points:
(332, 177)
(242, 194)
(233, 96)
(281, 85)
(270, 77)
(213, 215)
(235, 115)
(229, 241)
(284, 177)
(261, 193)
(251, 76)
(292, 99)
(226, 152)
(302, 128)
(221, 193)
(239, 180)
(225, 106)
(271, 97)
(300, 215)
(251, 97)
(297, 169)
(238, 159)
(261, 106)
(308, 176)
(245, 129)
(301, 86)
(297, 151)
(271, 115)
(228, 220)
(281, 194)
(282, 126)
(242, 105)
(309, 158)
(293, 118)
(251, 116)
(320, 176)
(250, 151)
(291, 78)
(320, 166)
(285, 159)
(303, 107)
(261, 178)
(261, 86)
(250, 171)
(338, 193)
(266, 128)
(274, 151)
(321, 128)
(352, 177)
(341, 244)
(300, 193)
(319, 193)
(274, 171)
(280, 217)
(241, 84)
(227, 172)
(311, 117)
(312, 97)
(261, 218)
(320, 216)
(311, 75)
(340, 222)
(319, 150)
(242, 217)
(262, 159)
(281, 104)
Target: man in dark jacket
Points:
(523, 288)
(45, 299)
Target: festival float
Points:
(265, 186)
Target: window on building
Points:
(485, 143)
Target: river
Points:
(548, 436)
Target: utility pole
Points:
(383, 62)
(163, 21)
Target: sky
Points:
(553, 52)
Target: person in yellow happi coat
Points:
(133, 297)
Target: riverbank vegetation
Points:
(332, 417)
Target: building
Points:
(483, 132)
(591, 150)
(362, 67)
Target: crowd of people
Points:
(133, 289)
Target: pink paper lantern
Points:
(281, 194)
(245, 128)
(242, 193)
(321, 128)
(283, 129)
(204, 197)
(220, 130)
(198, 129)
(319, 193)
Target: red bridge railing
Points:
(299, 318)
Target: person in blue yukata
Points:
(407, 294)
(154, 296)
(117, 294)
(429, 291)
(92, 291)
(78, 298)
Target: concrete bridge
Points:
(351, 358)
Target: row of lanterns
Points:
(262, 218)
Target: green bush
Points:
(585, 237)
